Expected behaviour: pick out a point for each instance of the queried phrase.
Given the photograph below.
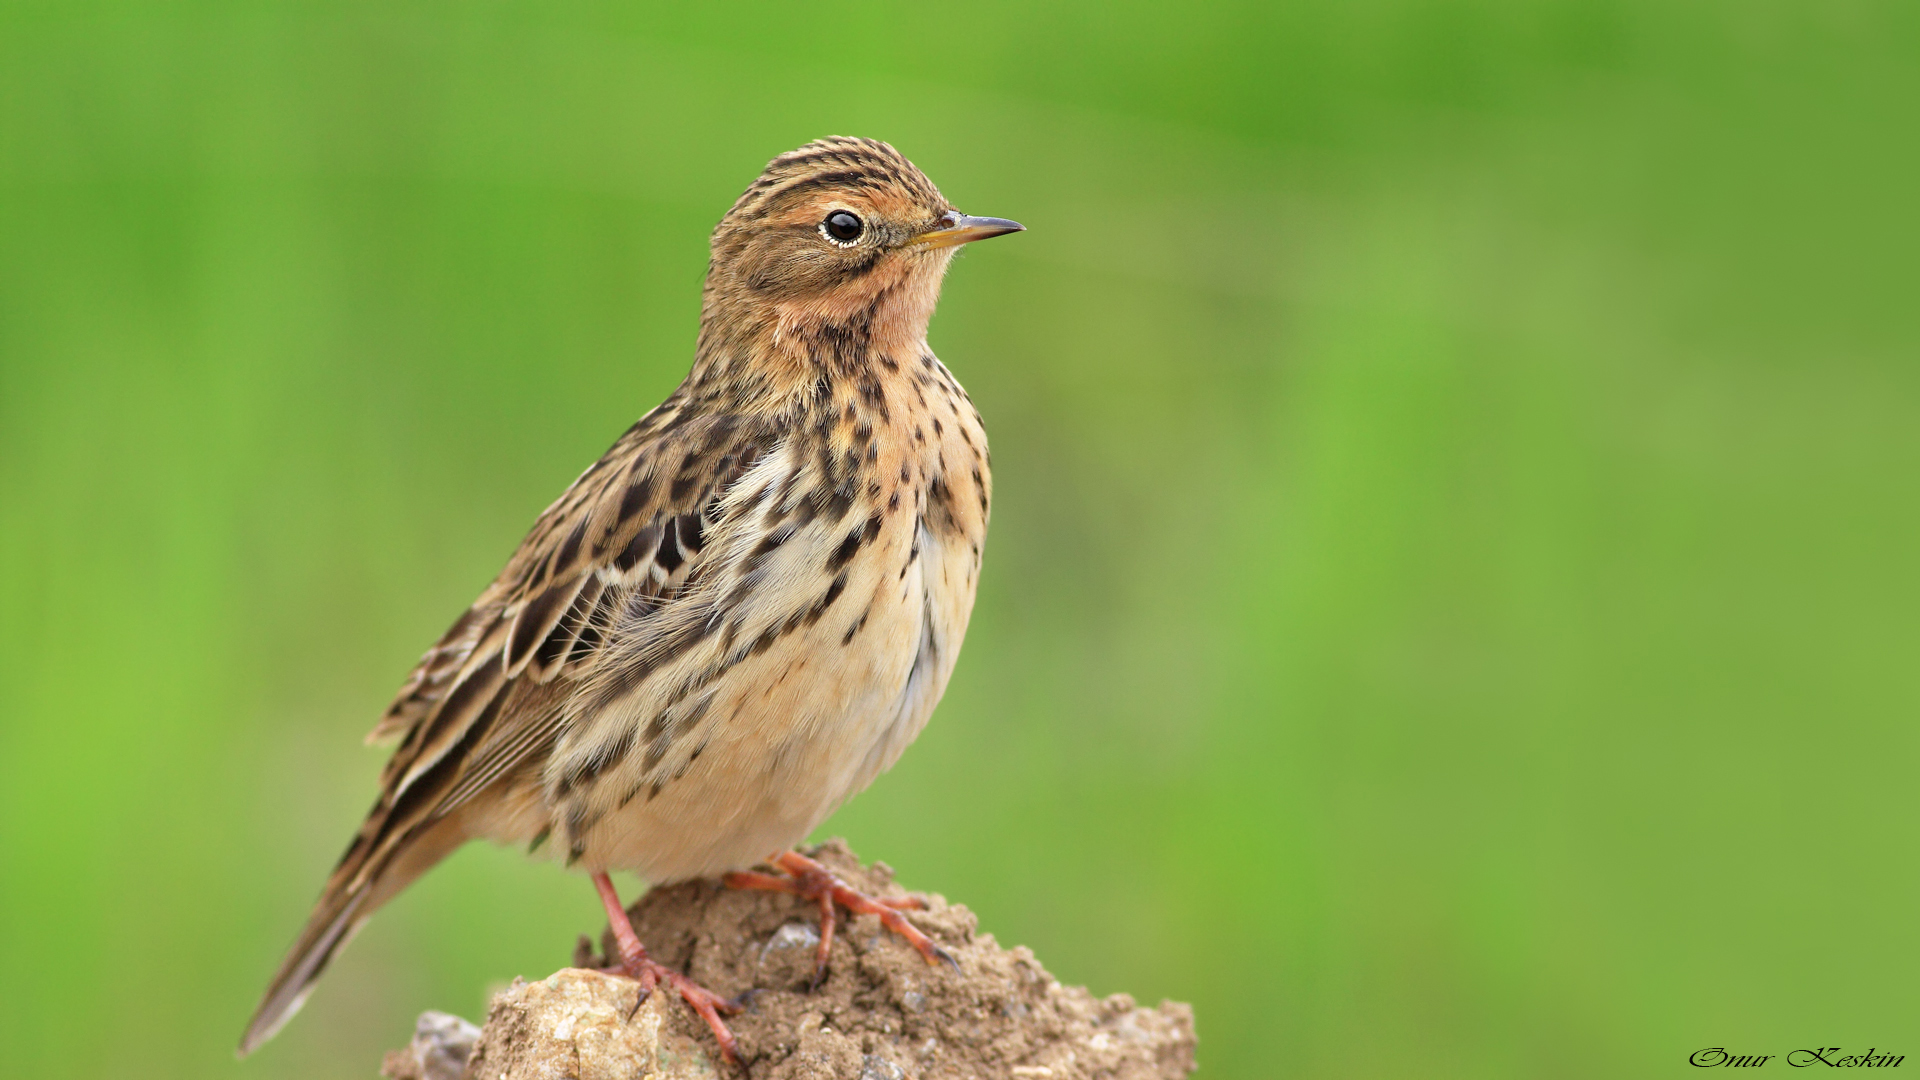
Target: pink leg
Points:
(637, 965)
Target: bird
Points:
(736, 618)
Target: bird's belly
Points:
(797, 732)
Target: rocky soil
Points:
(883, 1013)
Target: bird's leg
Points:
(807, 878)
(636, 964)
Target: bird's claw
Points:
(635, 964)
(810, 880)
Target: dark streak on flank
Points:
(854, 541)
(661, 733)
(857, 626)
(588, 771)
(914, 551)
(626, 678)
(833, 593)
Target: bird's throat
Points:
(766, 354)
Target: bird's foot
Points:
(637, 965)
(807, 878)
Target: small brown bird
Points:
(736, 618)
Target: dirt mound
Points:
(883, 1013)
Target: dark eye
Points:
(842, 226)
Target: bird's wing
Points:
(486, 700)
(617, 543)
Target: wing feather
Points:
(622, 539)
(487, 700)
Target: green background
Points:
(1451, 608)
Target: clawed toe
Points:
(944, 957)
(809, 879)
(709, 1005)
(635, 964)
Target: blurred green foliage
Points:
(1451, 608)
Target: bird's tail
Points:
(364, 880)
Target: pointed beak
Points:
(955, 228)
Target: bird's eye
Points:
(842, 226)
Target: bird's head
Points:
(843, 235)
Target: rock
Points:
(441, 1045)
(582, 1025)
(882, 1014)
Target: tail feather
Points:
(351, 897)
(330, 928)
(424, 809)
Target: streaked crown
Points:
(837, 162)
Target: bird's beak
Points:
(955, 228)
